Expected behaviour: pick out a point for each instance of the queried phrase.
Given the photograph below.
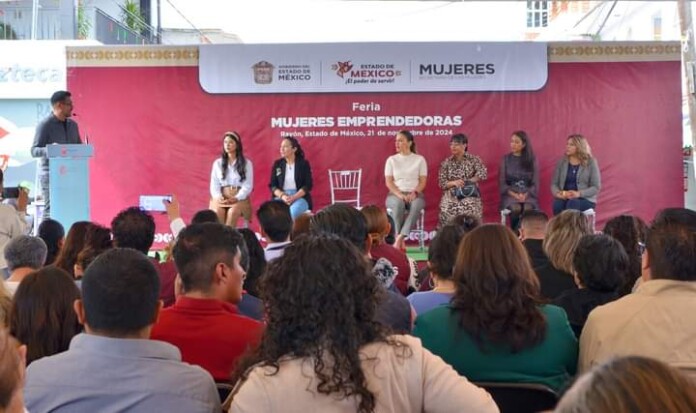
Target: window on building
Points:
(537, 13)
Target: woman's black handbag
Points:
(469, 190)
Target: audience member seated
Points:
(600, 268)
(630, 231)
(655, 320)
(135, 228)
(74, 243)
(23, 255)
(630, 385)
(323, 352)
(562, 236)
(12, 357)
(254, 262)
(5, 306)
(347, 222)
(204, 323)
(442, 253)
(12, 222)
(53, 234)
(113, 366)
(496, 329)
(97, 240)
(301, 225)
(276, 224)
(42, 316)
(532, 234)
(378, 228)
(464, 221)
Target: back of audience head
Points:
(342, 220)
(630, 231)
(133, 228)
(205, 215)
(74, 242)
(533, 224)
(12, 365)
(442, 252)
(671, 245)
(466, 222)
(497, 292)
(306, 292)
(208, 257)
(377, 223)
(25, 252)
(562, 236)
(300, 226)
(53, 234)
(254, 262)
(600, 263)
(275, 220)
(42, 314)
(120, 295)
(630, 385)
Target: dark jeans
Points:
(43, 179)
(580, 204)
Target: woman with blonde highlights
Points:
(496, 327)
(576, 181)
(631, 385)
(563, 234)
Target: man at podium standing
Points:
(57, 128)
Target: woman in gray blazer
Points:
(576, 181)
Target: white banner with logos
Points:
(373, 67)
(31, 69)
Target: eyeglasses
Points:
(641, 248)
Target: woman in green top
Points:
(496, 328)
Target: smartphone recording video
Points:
(154, 203)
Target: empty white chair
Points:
(345, 186)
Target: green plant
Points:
(131, 16)
(83, 23)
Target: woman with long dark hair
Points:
(323, 350)
(631, 232)
(291, 177)
(496, 327)
(231, 182)
(518, 178)
(74, 243)
(42, 315)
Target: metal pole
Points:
(34, 18)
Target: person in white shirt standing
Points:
(12, 223)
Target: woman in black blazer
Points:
(294, 190)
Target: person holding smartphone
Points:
(231, 182)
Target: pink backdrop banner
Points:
(155, 131)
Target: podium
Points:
(68, 174)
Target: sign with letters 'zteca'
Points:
(373, 67)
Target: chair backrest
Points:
(345, 186)
(224, 390)
(521, 397)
